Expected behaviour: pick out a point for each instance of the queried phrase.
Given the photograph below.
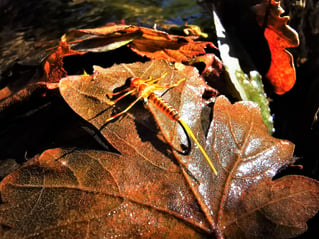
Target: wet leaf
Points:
(147, 42)
(142, 191)
(280, 36)
(160, 45)
(81, 92)
(270, 203)
(78, 194)
(237, 140)
(101, 39)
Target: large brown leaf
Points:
(242, 150)
(89, 194)
(89, 97)
(142, 192)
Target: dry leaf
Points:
(148, 42)
(280, 36)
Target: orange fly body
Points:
(144, 89)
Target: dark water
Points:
(27, 28)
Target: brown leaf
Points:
(159, 45)
(280, 36)
(109, 29)
(102, 39)
(148, 42)
(237, 141)
(87, 96)
(83, 92)
(91, 194)
(141, 189)
(281, 206)
(245, 154)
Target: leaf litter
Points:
(148, 189)
(143, 191)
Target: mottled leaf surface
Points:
(90, 194)
(147, 189)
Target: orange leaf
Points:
(53, 64)
(281, 73)
(280, 36)
(237, 140)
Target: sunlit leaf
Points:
(244, 87)
(280, 36)
(148, 42)
(142, 191)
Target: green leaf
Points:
(244, 87)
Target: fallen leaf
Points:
(101, 39)
(79, 194)
(141, 191)
(160, 45)
(280, 36)
(80, 92)
(112, 29)
(270, 203)
(237, 141)
(148, 42)
(53, 64)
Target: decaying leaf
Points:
(53, 64)
(99, 194)
(148, 42)
(237, 141)
(81, 92)
(280, 36)
(169, 47)
(79, 194)
(141, 191)
(148, 189)
(269, 203)
(101, 39)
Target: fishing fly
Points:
(145, 90)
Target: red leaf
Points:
(280, 36)
(53, 64)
